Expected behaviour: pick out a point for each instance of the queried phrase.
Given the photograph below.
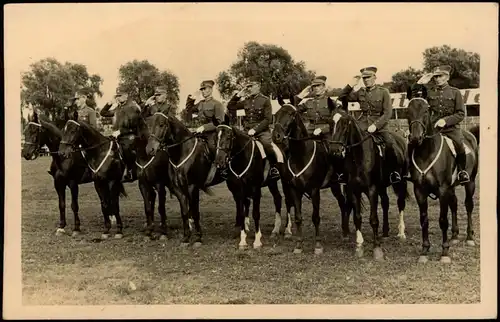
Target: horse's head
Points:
(32, 137)
(71, 137)
(342, 121)
(159, 132)
(132, 125)
(417, 113)
(225, 136)
(284, 119)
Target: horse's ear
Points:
(409, 92)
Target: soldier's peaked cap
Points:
(120, 91)
(253, 80)
(207, 83)
(442, 70)
(161, 90)
(368, 71)
(319, 80)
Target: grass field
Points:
(83, 271)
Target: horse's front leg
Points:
(453, 204)
(355, 198)
(401, 190)
(384, 202)
(297, 200)
(289, 205)
(273, 188)
(316, 219)
(421, 197)
(256, 217)
(116, 187)
(73, 186)
(60, 185)
(194, 209)
(445, 195)
(104, 194)
(148, 196)
(470, 188)
(378, 254)
(240, 218)
(184, 205)
(345, 209)
(162, 198)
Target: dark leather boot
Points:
(462, 176)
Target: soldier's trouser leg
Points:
(131, 171)
(266, 140)
(392, 156)
(458, 139)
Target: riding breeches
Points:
(266, 139)
(457, 137)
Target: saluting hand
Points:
(150, 101)
(354, 81)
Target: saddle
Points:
(379, 142)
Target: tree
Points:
(139, 79)
(279, 73)
(465, 65)
(403, 79)
(48, 85)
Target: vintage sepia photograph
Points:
(207, 160)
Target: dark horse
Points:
(366, 174)
(240, 153)
(103, 158)
(307, 171)
(189, 163)
(38, 133)
(432, 171)
(152, 174)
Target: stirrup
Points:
(274, 173)
(341, 178)
(463, 177)
(394, 174)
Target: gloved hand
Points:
(200, 129)
(440, 123)
(317, 132)
(116, 133)
(305, 92)
(372, 128)
(251, 132)
(112, 101)
(425, 78)
(354, 81)
(150, 101)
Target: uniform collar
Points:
(253, 95)
(442, 86)
(208, 99)
(371, 88)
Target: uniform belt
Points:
(368, 113)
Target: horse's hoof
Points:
(470, 243)
(197, 244)
(75, 233)
(445, 259)
(454, 242)
(104, 236)
(378, 254)
(423, 259)
(118, 236)
(318, 251)
(60, 232)
(297, 251)
(163, 237)
(402, 237)
(184, 244)
(274, 236)
(288, 236)
(242, 247)
(359, 252)
(257, 246)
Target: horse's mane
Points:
(291, 109)
(51, 126)
(178, 125)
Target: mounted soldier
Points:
(85, 112)
(210, 114)
(447, 112)
(376, 108)
(258, 118)
(158, 102)
(123, 131)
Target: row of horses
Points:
(170, 157)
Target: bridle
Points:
(39, 129)
(421, 123)
(161, 140)
(343, 143)
(229, 148)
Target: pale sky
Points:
(197, 41)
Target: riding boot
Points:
(463, 176)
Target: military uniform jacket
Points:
(118, 113)
(374, 102)
(210, 111)
(446, 103)
(87, 114)
(258, 111)
(317, 110)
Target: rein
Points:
(250, 140)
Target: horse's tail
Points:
(123, 193)
(475, 131)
